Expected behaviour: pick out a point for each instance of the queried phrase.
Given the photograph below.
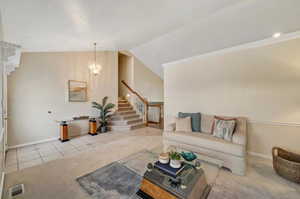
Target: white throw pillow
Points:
(224, 128)
(184, 124)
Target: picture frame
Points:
(77, 91)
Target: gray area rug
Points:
(138, 161)
(114, 181)
(118, 180)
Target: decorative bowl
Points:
(164, 158)
(163, 161)
(188, 156)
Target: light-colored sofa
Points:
(232, 154)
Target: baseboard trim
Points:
(260, 155)
(32, 143)
(2, 185)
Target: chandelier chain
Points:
(95, 53)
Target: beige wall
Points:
(141, 78)
(1, 70)
(1, 28)
(125, 73)
(260, 83)
(147, 83)
(40, 85)
(1, 108)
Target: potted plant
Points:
(105, 113)
(175, 158)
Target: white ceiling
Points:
(245, 22)
(156, 31)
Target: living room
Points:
(119, 100)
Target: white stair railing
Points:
(11, 56)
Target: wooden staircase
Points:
(125, 118)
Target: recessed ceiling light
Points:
(276, 35)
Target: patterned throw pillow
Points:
(224, 128)
(184, 124)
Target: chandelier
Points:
(94, 67)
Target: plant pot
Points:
(164, 158)
(175, 164)
(103, 129)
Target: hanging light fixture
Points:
(94, 67)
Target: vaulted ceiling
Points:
(156, 31)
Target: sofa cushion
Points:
(206, 141)
(195, 120)
(183, 124)
(224, 128)
(206, 123)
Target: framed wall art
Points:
(77, 91)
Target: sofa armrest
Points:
(240, 134)
(170, 127)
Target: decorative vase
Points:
(175, 164)
(188, 156)
(103, 129)
(164, 158)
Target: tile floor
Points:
(59, 176)
(33, 155)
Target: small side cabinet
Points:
(64, 136)
(93, 127)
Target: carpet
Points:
(261, 182)
(121, 179)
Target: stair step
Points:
(125, 122)
(126, 127)
(126, 112)
(138, 125)
(117, 123)
(122, 101)
(116, 117)
(119, 128)
(125, 117)
(124, 105)
(134, 121)
(125, 108)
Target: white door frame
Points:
(4, 109)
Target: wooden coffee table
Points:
(189, 184)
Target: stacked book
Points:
(167, 169)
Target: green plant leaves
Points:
(97, 106)
(105, 110)
(104, 100)
(109, 106)
(175, 155)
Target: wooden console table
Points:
(64, 126)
